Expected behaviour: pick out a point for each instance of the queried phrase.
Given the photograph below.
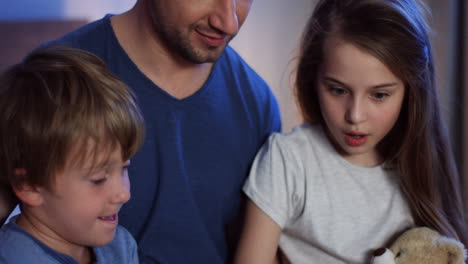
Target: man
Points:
(206, 115)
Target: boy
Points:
(67, 130)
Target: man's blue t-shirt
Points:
(186, 180)
(18, 246)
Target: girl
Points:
(373, 158)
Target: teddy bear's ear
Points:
(455, 250)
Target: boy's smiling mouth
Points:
(110, 218)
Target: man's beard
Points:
(180, 44)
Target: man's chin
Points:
(207, 55)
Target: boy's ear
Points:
(28, 193)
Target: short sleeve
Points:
(276, 181)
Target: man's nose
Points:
(224, 17)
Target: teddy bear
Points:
(421, 245)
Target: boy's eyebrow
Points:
(108, 164)
(379, 86)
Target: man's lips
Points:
(213, 40)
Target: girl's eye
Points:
(380, 96)
(337, 91)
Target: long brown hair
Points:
(395, 32)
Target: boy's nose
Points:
(122, 191)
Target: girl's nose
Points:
(356, 111)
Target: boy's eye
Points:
(99, 181)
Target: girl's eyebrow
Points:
(379, 86)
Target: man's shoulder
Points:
(240, 77)
(234, 66)
(87, 36)
(232, 59)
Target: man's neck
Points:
(175, 75)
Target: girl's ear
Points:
(28, 193)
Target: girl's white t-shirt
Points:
(330, 210)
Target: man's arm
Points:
(8, 201)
